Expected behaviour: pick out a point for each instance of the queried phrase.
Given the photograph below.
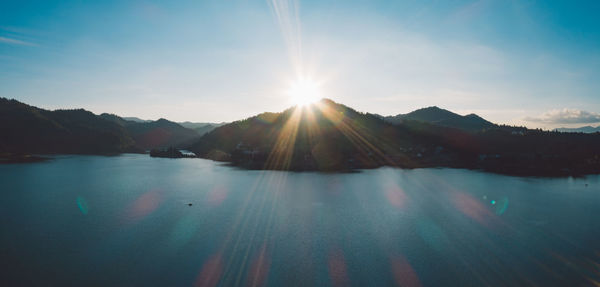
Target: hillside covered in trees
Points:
(325, 136)
(26, 129)
(328, 136)
(441, 117)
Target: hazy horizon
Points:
(518, 63)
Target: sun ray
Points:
(358, 139)
(283, 150)
(313, 129)
(271, 184)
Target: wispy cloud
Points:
(566, 116)
(12, 41)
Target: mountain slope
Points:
(27, 129)
(441, 117)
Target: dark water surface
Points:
(126, 221)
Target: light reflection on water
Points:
(141, 221)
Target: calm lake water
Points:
(126, 221)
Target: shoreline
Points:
(527, 172)
(22, 158)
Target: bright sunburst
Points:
(304, 91)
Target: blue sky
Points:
(534, 63)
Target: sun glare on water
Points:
(304, 92)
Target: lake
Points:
(132, 220)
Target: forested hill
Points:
(325, 136)
(27, 129)
(332, 137)
(441, 117)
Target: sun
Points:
(304, 91)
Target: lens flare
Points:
(82, 204)
(211, 272)
(337, 268)
(144, 205)
(403, 272)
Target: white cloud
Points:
(566, 116)
(15, 42)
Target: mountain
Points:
(441, 117)
(158, 134)
(328, 136)
(325, 136)
(201, 128)
(27, 129)
(586, 129)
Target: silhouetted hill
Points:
(158, 134)
(324, 136)
(586, 129)
(330, 136)
(27, 129)
(441, 117)
(116, 119)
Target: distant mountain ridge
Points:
(442, 117)
(157, 134)
(201, 128)
(585, 129)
